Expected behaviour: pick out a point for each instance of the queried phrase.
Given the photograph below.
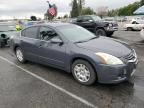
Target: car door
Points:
(79, 21)
(29, 42)
(52, 53)
(87, 22)
(136, 25)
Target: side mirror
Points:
(56, 41)
(90, 20)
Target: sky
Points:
(26, 8)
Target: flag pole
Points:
(48, 4)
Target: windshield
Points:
(5, 28)
(96, 18)
(76, 34)
(109, 19)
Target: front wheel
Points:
(83, 72)
(110, 34)
(20, 55)
(100, 32)
(1, 45)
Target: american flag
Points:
(52, 11)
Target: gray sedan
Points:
(75, 50)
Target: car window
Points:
(30, 32)
(134, 22)
(87, 18)
(47, 33)
(80, 19)
(96, 18)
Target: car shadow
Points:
(108, 94)
(69, 76)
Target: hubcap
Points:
(82, 73)
(19, 55)
(100, 33)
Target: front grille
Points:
(131, 56)
(115, 25)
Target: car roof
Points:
(55, 24)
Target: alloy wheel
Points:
(19, 55)
(82, 73)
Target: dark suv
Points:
(96, 25)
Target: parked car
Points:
(96, 25)
(76, 50)
(134, 25)
(72, 20)
(6, 31)
(109, 19)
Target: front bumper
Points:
(115, 74)
(110, 29)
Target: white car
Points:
(134, 25)
(142, 33)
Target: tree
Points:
(142, 2)
(128, 10)
(112, 13)
(87, 11)
(65, 16)
(75, 9)
(46, 16)
(102, 11)
(59, 17)
(33, 18)
(81, 3)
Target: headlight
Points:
(110, 25)
(109, 59)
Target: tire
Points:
(81, 76)
(1, 44)
(19, 55)
(100, 32)
(110, 34)
(129, 29)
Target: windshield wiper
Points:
(86, 40)
(93, 38)
(82, 41)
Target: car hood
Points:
(106, 45)
(9, 33)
